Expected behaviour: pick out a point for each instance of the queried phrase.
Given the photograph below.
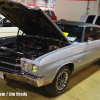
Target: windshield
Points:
(73, 33)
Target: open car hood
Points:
(31, 21)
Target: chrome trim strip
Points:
(59, 69)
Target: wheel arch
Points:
(69, 65)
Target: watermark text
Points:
(13, 94)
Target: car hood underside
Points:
(31, 21)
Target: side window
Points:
(99, 33)
(0, 21)
(98, 21)
(7, 23)
(91, 34)
(90, 19)
(0, 18)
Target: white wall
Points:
(40, 2)
(94, 7)
(32, 2)
(73, 10)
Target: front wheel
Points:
(60, 82)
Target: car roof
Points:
(76, 23)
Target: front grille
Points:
(7, 70)
(10, 63)
(12, 66)
(5, 65)
(10, 60)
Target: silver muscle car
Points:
(45, 53)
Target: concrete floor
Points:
(83, 85)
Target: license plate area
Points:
(1, 75)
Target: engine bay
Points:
(30, 46)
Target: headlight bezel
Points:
(32, 68)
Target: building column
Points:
(26, 1)
(48, 4)
(19, 0)
(99, 8)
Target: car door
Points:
(99, 42)
(92, 43)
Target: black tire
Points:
(60, 82)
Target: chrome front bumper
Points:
(11, 68)
(35, 81)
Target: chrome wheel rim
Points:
(62, 80)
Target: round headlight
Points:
(25, 66)
(32, 68)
